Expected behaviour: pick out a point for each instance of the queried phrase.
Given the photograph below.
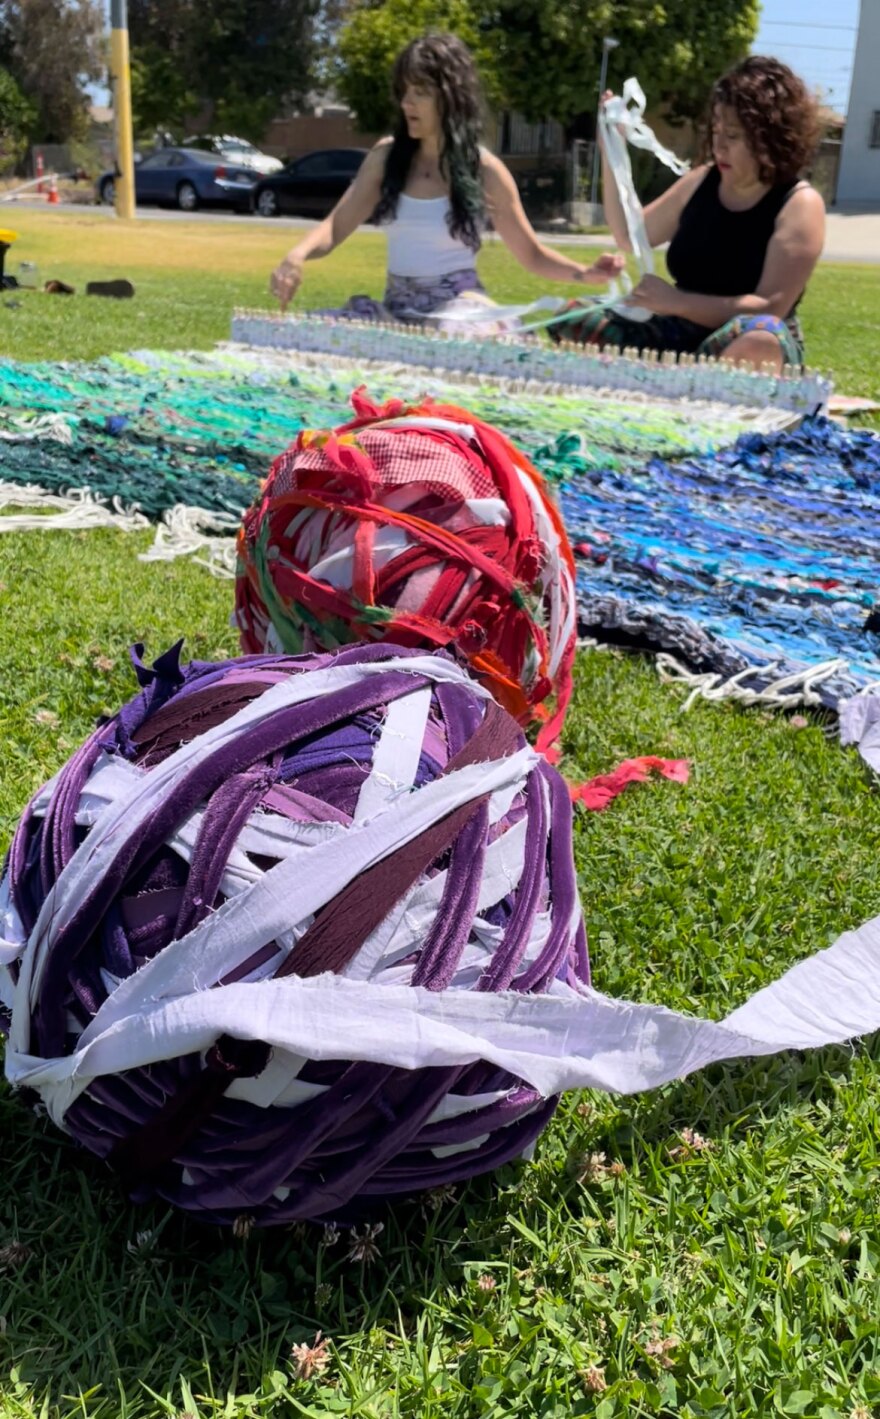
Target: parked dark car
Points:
(185, 178)
(309, 186)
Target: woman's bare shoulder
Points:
(806, 201)
(494, 172)
(378, 154)
(691, 179)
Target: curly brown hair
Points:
(778, 113)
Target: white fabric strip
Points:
(564, 1040)
(125, 817)
(471, 312)
(556, 577)
(860, 725)
(282, 897)
(336, 567)
(396, 756)
(621, 120)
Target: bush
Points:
(17, 117)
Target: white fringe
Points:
(195, 532)
(80, 510)
(782, 693)
(207, 537)
(25, 427)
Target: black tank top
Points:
(716, 252)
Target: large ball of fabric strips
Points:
(214, 919)
(425, 527)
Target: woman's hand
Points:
(654, 294)
(604, 268)
(608, 95)
(285, 281)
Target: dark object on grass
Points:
(59, 288)
(120, 290)
(7, 283)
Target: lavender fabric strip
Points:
(563, 1039)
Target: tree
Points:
(163, 64)
(541, 58)
(53, 49)
(550, 53)
(375, 34)
(162, 98)
(16, 118)
(232, 62)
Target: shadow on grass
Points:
(104, 1299)
(732, 1099)
(108, 1304)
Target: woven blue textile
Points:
(763, 554)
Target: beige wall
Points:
(291, 137)
(306, 133)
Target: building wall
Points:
(544, 167)
(309, 132)
(859, 178)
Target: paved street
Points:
(851, 236)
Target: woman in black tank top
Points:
(744, 231)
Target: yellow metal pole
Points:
(121, 82)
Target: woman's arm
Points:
(355, 206)
(516, 231)
(611, 203)
(792, 253)
(662, 216)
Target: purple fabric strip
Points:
(367, 1134)
(445, 943)
(563, 888)
(224, 817)
(279, 729)
(500, 971)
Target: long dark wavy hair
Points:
(443, 63)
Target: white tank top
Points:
(419, 243)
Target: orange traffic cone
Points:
(54, 199)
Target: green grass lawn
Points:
(709, 1249)
(189, 277)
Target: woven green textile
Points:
(155, 429)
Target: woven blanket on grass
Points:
(757, 566)
(165, 429)
(752, 563)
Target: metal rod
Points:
(607, 46)
(120, 82)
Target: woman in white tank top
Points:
(431, 187)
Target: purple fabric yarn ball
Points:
(236, 832)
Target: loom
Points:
(523, 357)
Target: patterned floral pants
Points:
(604, 327)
